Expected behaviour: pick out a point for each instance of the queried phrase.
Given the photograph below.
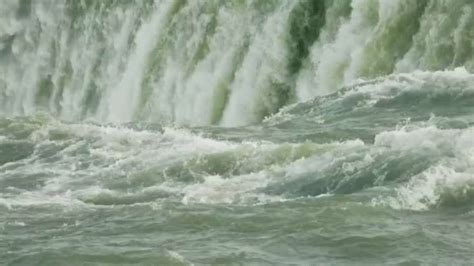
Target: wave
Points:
(92, 165)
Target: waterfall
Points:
(214, 62)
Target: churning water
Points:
(261, 132)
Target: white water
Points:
(107, 164)
(451, 180)
(204, 62)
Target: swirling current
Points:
(243, 132)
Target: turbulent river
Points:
(236, 132)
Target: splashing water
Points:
(175, 132)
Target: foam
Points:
(451, 179)
(39, 198)
(438, 186)
(457, 81)
(114, 154)
(216, 189)
(106, 151)
(178, 257)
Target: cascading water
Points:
(214, 62)
(183, 132)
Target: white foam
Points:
(458, 79)
(116, 152)
(452, 177)
(39, 198)
(178, 257)
(108, 151)
(216, 189)
(430, 189)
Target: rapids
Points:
(243, 132)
